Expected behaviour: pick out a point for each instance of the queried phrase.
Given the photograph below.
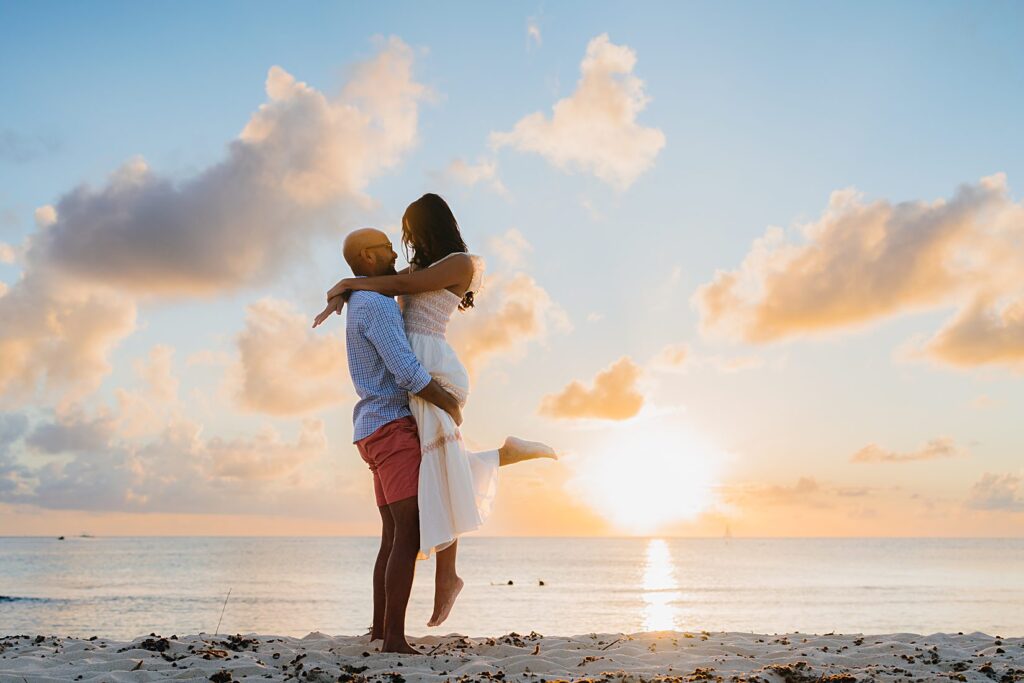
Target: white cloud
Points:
(510, 312)
(935, 449)
(484, 171)
(613, 395)
(300, 159)
(533, 37)
(861, 262)
(997, 492)
(285, 368)
(511, 247)
(45, 216)
(594, 130)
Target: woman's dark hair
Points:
(429, 228)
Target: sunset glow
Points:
(646, 474)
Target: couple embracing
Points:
(412, 387)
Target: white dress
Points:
(456, 488)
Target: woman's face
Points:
(408, 240)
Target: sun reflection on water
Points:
(660, 588)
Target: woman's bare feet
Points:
(401, 647)
(517, 450)
(444, 599)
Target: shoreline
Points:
(653, 656)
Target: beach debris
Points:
(217, 630)
(155, 644)
(540, 582)
(703, 674)
(212, 653)
(239, 643)
(222, 676)
(509, 583)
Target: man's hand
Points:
(456, 412)
(434, 393)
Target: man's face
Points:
(381, 257)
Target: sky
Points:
(753, 269)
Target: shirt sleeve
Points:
(382, 325)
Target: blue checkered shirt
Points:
(384, 369)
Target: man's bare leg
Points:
(387, 539)
(518, 450)
(447, 584)
(399, 574)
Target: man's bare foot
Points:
(517, 450)
(444, 600)
(402, 647)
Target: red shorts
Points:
(393, 454)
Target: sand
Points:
(656, 656)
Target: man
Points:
(384, 370)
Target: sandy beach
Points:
(655, 656)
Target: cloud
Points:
(511, 247)
(177, 471)
(861, 262)
(73, 432)
(671, 357)
(935, 449)
(300, 159)
(56, 336)
(533, 37)
(613, 395)
(997, 492)
(594, 130)
(265, 456)
(45, 216)
(484, 171)
(157, 373)
(510, 312)
(12, 427)
(807, 491)
(983, 333)
(7, 253)
(283, 367)
(243, 217)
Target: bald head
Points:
(368, 252)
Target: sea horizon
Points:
(129, 585)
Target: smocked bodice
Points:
(429, 312)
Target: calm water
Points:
(123, 587)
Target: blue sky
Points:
(765, 110)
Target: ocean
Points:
(122, 587)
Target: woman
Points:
(456, 487)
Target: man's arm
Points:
(382, 326)
(434, 393)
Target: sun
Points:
(645, 475)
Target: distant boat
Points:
(86, 536)
(60, 538)
(728, 532)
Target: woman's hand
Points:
(339, 289)
(333, 306)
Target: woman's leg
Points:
(518, 450)
(447, 584)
